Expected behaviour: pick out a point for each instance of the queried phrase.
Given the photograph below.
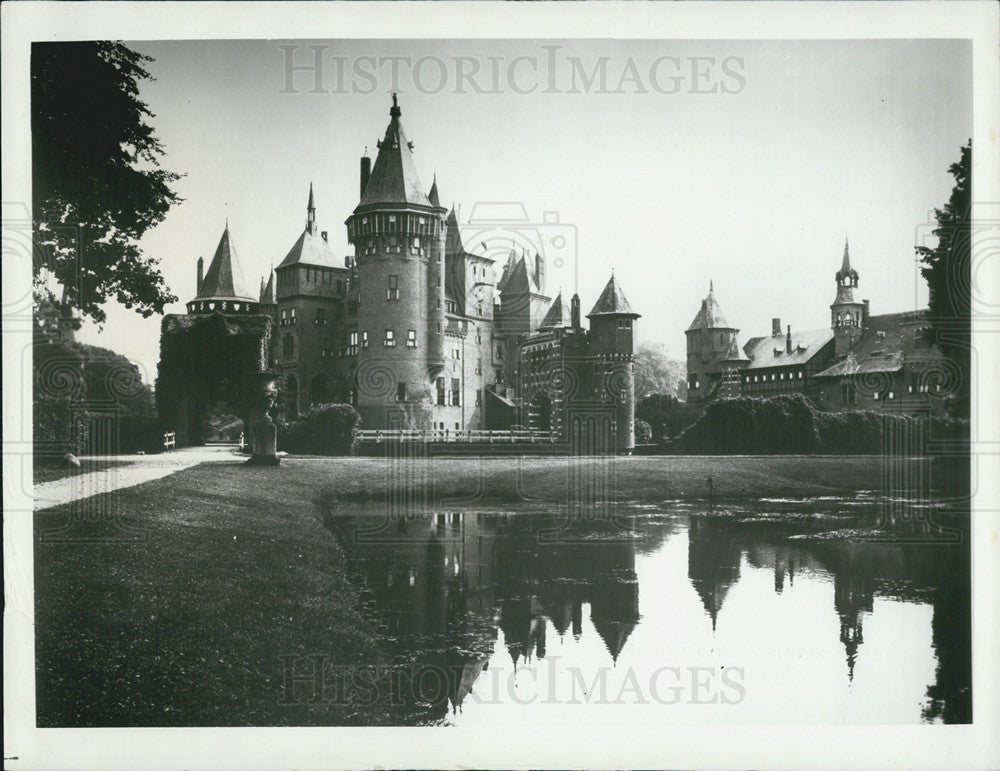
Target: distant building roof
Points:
(519, 279)
(709, 315)
(224, 280)
(311, 249)
(886, 344)
(612, 302)
(772, 351)
(394, 176)
(558, 315)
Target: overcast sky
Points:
(745, 163)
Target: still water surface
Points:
(775, 612)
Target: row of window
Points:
(774, 376)
(312, 275)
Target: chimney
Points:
(201, 274)
(574, 306)
(324, 235)
(366, 171)
(864, 315)
(788, 340)
(540, 271)
(775, 327)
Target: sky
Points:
(742, 163)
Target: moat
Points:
(822, 610)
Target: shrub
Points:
(792, 425)
(326, 429)
(666, 415)
(643, 432)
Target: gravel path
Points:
(135, 470)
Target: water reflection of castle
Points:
(930, 572)
(444, 584)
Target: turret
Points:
(713, 351)
(847, 316)
(612, 341)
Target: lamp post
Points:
(264, 443)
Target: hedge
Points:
(326, 429)
(791, 425)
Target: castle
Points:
(419, 333)
(860, 361)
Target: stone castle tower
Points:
(713, 353)
(398, 235)
(612, 346)
(847, 316)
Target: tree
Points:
(97, 182)
(656, 372)
(947, 270)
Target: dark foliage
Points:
(326, 429)
(97, 182)
(666, 415)
(791, 425)
(947, 270)
(643, 432)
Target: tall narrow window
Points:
(411, 338)
(400, 392)
(440, 391)
(390, 338)
(352, 345)
(321, 317)
(364, 339)
(456, 392)
(392, 292)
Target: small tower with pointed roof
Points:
(612, 345)
(713, 353)
(847, 315)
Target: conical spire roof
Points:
(223, 280)
(267, 296)
(558, 315)
(612, 302)
(709, 315)
(394, 175)
(432, 196)
(311, 248)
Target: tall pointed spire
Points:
(846, 266)
(311, 213)
(612, 302)
(711, 287)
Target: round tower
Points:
(712, 353)
(398, 236)
(612, 344)
(847, 316)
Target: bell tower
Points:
(846, 313)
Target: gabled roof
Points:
(267, 295)
(558, 315)
(710, 315)
(311, 249)
(612, 302)
(394, 175)
(772, 351)
(223, 280)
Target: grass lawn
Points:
(175, 609)
(59, 469)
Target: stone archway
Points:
(210, 359)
